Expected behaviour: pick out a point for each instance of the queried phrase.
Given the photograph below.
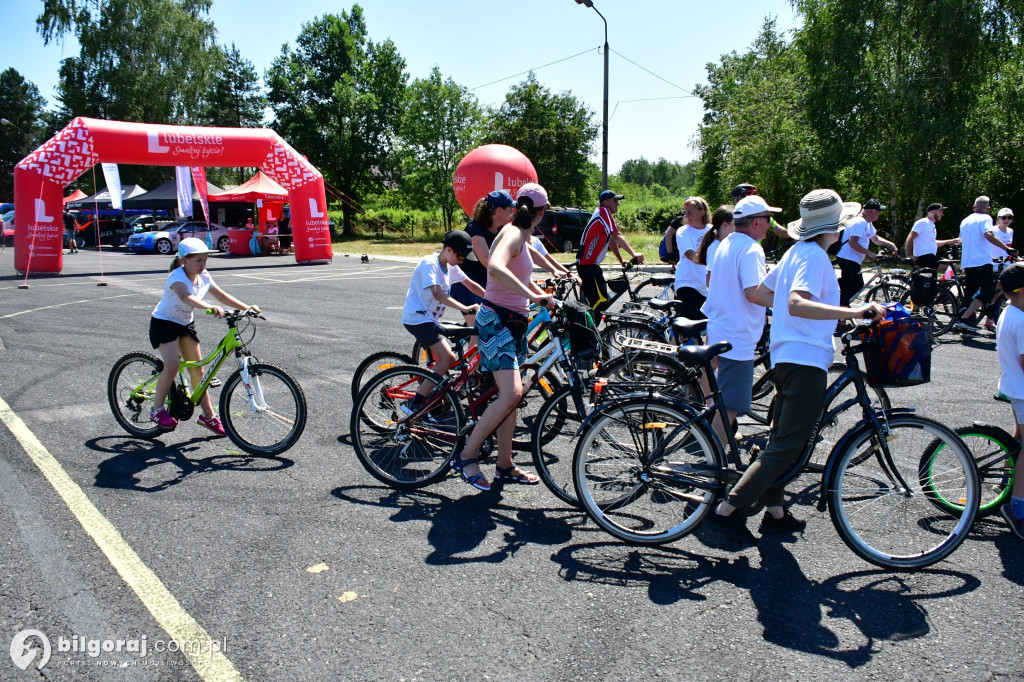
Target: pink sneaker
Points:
(212, 423)
(163, 419)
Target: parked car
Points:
(142, 223)
(563, 228)
(166, 241)
(112, 232)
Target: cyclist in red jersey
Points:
(601, 234)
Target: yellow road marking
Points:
(212, 666)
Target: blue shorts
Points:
(735, 381)
(427, 333)
(463, 295)
(498, 348)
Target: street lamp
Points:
(5, 122)
(604, 128)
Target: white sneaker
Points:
(968, 327)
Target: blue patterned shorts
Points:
(498, 349)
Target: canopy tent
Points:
(74, 196)
(101, 200)
(259, 186)
(166, 196)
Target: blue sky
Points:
(659, 49)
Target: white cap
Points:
(1004, 211)
(191, 246)
(753, 205)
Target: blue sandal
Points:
(504, 475)
(478, 481)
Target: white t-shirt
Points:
(1009, 348)
(798, 340)
(536, 243)
(864, 231)
(171, 307)
(420, 305)
(688, 273)
(712, 250)
(975, 249)
(739, 264)
(1005, 238)
(925, 241)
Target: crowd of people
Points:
(721, 275)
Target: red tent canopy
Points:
(75, 196)
(259, 186)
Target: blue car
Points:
(166, 241)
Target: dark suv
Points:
(563, 228)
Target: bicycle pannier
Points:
(897, 353)
(584, 339)
(922, 288)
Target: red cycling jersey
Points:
(597, 236)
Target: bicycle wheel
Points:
(886, 292)
(613, 334)
(528, 408)
(422, 356)
(276, 417)
(841, 414)
(637, 485)
(373, 365)
(129, 402)
(879, 506)
(674, 380)
(410, 452)
(553, 442)
(762, 394)
(995, 453)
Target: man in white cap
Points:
(735, 313)
(976, 234)
(1004, 233)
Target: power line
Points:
(536, 68)
(647, 99)
(642, 68)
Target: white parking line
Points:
(193, 641)
(59, 305)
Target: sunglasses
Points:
(1006, 217)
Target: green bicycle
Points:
(262, 408)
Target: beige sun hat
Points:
(822, 211)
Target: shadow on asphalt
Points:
(883, 607)
(133, 456)
(460, 525)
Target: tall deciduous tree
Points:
(442, 123)
(338, 98)
(235, 100)
(556, 132)
(20, 128)
(755, 128)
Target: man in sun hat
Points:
(976, 235)
(922, 245)
(601, 234)
(803, 293)
(734, 312)
(857, 239)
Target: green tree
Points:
(442, 123)
(21, 108)
(755, 128)
(557, 134)
(338, 98)
(139, 60)
(889, 95)
(235, 100)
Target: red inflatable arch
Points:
(40, 178)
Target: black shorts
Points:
(979, 283)
(427, 333)
(165, 331)
(595, 289)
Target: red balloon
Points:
(487, 168)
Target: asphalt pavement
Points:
(303, 567)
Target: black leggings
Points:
(692, 301)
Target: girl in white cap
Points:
(172, 329)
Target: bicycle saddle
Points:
(456, 331)
(663, 280)
(685, 328)
(701, 355)
(673, 306)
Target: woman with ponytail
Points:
(501, 326)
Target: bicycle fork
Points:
(252, 388)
